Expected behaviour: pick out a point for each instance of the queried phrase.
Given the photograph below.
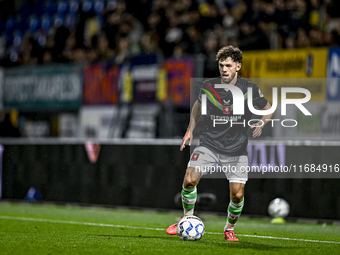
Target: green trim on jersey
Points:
(217, 104)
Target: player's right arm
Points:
(194, 118)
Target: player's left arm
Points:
(265, 119)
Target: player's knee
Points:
(237, 197)
(190, 182)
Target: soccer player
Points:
(225, 145)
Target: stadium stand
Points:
(47, 31)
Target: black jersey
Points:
(224, 138)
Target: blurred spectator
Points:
(332, 38)
(289, 42)
(179, 51)
(247, 37)
(316, 14)
(209, 20)
(123, 52)
(79, 55)
(60, 37)
(47, 57)
(29, 51)
(50, 51)
(104, 51)
(92, 28)
(332, 15)
(150, 43)
(68, 52)
(238, 11)
(132, 29)
(255, 12)
(111, 28)
(210, 49)
(172, 38)
(316, 37)
(193, 40)
(268, 9)
(124, 28)
(280, 18)
(302, 39)
(121, 6)
(92, 53)
(139, 9)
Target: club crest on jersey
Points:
(226, 109)
(195, 156)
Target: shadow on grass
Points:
(247, 245)
(209, 244)
(168, 237)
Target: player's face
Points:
(228, 70)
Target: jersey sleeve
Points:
(258, 98)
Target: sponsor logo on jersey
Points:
(233, 117)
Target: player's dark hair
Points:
(229, 51)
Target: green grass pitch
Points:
(52, 229)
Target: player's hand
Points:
(258, 129)
(187, 136)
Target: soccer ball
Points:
(190, 228)
(278, 208)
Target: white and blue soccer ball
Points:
(278, 208)
(190, 228)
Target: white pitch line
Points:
(158, 229)
(283, 238)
